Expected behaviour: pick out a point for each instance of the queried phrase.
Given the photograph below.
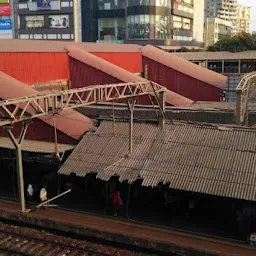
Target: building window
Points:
(181, 23)
(59, 21)
(38, 36)
(34, 21)
(111, 4)
(24, 36)
(183, 5)
(52, 36)
(111, 29)
(66, 36)
(64, 4)
(23, 6)
(149, 27)
(182, 38)
(162, 3)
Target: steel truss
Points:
(27, 108)
(21, 109)
(243, 91)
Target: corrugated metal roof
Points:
(70, 122)
(16, 45)
(247, 55)
(214, 160)
(122, 74)
(36, 146)
(184, 67)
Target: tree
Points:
(238, 43)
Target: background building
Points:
(160, 22)
(46, 19)
(217, 29)
(6, 22)
(243, 19)
(223, 9)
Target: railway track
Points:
(27, 246)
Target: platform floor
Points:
(134, 230)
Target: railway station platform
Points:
(124, 232)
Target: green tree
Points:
(237, 43)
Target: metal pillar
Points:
(19, 167)
(77, 20)
(131, 110)
(238, 107)
(161, 119)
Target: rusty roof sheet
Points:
(70, 122)
(215, 160)
(122, 74)
(16, 45)
(184, 66)
(247, 55)
(36, 146)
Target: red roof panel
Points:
(69, 122)
(121, 74)
(183, 66)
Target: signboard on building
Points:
(59, 21)
(4, 1)
(43, 4)
(5, 9)
(6, 29)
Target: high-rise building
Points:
(159, 22)
(223, 9)
(243, 19)
(44, 19)
(217, 29)
(6, 19)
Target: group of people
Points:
(32, 193)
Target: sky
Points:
(251, 3)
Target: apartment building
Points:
(159, 22)
(243, 19)
(45, 19)
(6, 20)
(223, 9)
(217, 29)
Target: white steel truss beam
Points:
(21, 109)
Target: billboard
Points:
(4, 1)
(5, 9)
(6, 24)
(6, 29)
(59, 21)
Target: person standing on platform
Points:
(30, 193)
(43, 194)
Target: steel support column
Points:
(238, 106)
(19, 167)
(131, 110)
(161, 119)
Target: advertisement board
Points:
(6, 24)
(4, 1)
(6, 29)
(59, 21)
(5, 9)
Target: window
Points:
(111, 4)
(64, 4)
(23, 6)
(34, 22)
(149, 27)
(111, 29)
(182, 23)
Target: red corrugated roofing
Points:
(69, 122)
(35, 67)
(16, 45)
(184, 66)
(121, 74)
